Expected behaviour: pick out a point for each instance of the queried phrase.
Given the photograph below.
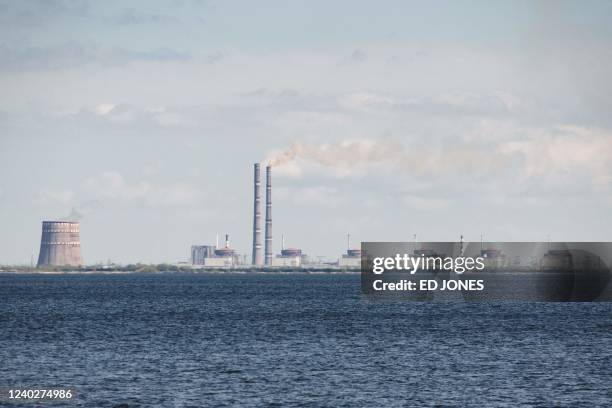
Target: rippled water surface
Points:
(174, 340)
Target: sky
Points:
(384, 119)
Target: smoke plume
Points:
(348, 153)
(77, 213)
(542, 156)
(360, 154)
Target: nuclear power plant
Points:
(263, 255)
(60, 244)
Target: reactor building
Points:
(215, 256)
(352, 257)
(199, 253)
(289, 257)
(60, 244)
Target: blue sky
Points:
(434, 118)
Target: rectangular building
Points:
(200, 252)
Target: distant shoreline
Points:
(218, 271)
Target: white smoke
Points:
(348, 153)
(78, 212)
(539, 155)
(361, 154)
(74, 215)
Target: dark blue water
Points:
(171, 340)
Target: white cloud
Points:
(546, 157)
(152, 169)
(173, 195)
(358, 56)
(104, 108)
(319, 196)
(424, 203)
(63, 197)
(112, 185)
(291, 169)
(567, 152)
(171, 119)
(71, 54)
(361, 100)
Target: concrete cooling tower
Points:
(60, 244)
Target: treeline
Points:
(97, 268)
(152, 268)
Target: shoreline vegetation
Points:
(158, 268)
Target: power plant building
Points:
(213, 256)
(60, 244)
(288, 257)
(493, 258)
(219, 262)
(352, 257)
(200, 252)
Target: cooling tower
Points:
(257, 254)
(60, 244)
(268, 215)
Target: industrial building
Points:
(493, 258)
(352, 257)
(262, 254)
(200, 252)
(214, 256)
(60, 244)
(291, 257)
(557, 260)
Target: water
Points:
(179, 340)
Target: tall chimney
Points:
(257, 259)
(268, 215)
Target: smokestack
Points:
(257, 254)
(60, 244)
(268, 215)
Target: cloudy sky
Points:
(386, 119)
